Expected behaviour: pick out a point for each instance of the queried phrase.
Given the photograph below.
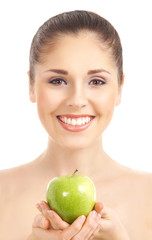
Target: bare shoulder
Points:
(11, 180)
(8, 180)
(148, 203)
(14, 201)
(148, 198)
(18, 181)
(8, 186)
(8, 176)
(142, 182)
(149, 182)
(138, 183)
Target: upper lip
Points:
(75, 116)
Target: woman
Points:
(76, 79)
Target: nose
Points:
(77, 98)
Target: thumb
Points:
(98, 207)
(106, 213)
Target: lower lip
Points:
(76, 128)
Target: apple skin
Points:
(71, 196)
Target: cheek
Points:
(48, 101)
(105, 104)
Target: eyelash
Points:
(98, 81)
(57, 80)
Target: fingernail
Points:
(38, 207)
(41, 205)
(82, 219)
(94, 214)
(50, 213)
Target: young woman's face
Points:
(76, 90)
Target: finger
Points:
(46, 234)
(108, 213)
(74, 228)
(41, 222)
(56, 221)
(43, 207)
(98, 207)
(89, 226)
(108, 219)
(95, 232)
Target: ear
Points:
(31, 90)
(118, 101)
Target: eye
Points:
(58, 82)
(97, 82)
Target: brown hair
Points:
(72, 23)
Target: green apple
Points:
(71, 196)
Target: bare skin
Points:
(126, 191)
(119, 188)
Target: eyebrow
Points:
(64, 72)
(97, 71)
(59, 71)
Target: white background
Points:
(128, 138)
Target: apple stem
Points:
(75, 172)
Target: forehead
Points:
(83, 50)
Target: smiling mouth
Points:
(75, 120)
(75, 123)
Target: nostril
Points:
(77, 105)
(77, 99)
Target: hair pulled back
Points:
(72, 23)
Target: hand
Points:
(50, 219)
(111, 226)
(50, 226)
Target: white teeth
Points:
(83, 120)
(68, 121)
(79, 121)
(87, 119)
(74, 121)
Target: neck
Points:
(89, 161)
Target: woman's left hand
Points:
(111, 226)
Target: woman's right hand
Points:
(81, 228)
